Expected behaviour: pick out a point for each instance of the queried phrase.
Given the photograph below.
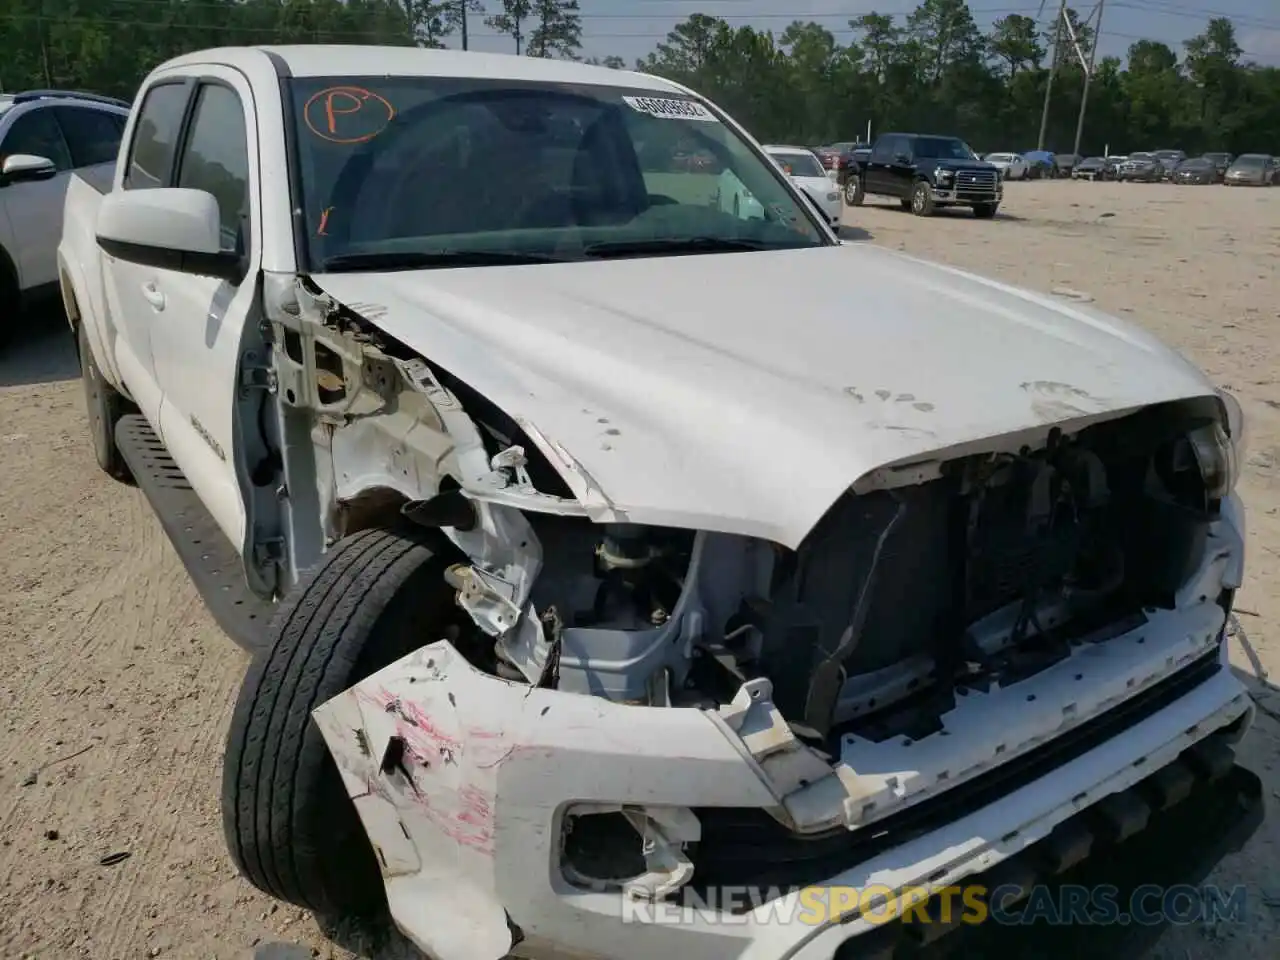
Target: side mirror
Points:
(24, 167)
(171, 228)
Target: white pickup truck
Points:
(599, 609)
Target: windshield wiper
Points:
(623, 248)
(425, 259)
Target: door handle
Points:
(153, 295)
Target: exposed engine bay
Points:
(953, 628)
(899, 600)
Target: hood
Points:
(957, 164)
(745, 392)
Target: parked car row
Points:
(1255, 169)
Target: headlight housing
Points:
(1219, 448)
(941, 173)
(1237, 429)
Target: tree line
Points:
(936, 71)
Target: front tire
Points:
(104, 406)
(289, 825)
(922, 200)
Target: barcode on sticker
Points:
(670, 109)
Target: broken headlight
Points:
(1219, 447)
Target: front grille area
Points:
(976, 184)
(747, 846)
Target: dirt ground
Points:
(118, 686)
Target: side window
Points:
(155, 137)
(92, 135)
(216, 158)
(38, 134)
(882, 152)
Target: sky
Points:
(631, 28)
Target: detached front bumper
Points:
(465, 785)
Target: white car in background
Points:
(44, 136)
(1012, 166)
(806, 171)
(732, 196)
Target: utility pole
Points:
(1053, 69)
(1088, 76)
(462, 17)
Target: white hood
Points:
(745, 392)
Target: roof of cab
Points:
(352, 60)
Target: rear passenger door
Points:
(129, 289)
(877, 165)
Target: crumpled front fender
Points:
(461, 780)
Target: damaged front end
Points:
(643, 713)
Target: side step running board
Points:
(214, 565)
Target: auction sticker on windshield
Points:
(670, 109)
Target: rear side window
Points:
(155, 137)
(92, 135)
(36, 133)
(216, 158)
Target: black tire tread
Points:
(289, 826)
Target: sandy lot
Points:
(117, 685)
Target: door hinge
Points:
(255, 376)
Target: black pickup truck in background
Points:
(925, 172)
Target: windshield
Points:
(1000, 157)
(943, 148)
(1201, 163)
(397, 170)
(1141, 156)
(1250, 161)
(798, 164)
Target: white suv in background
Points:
(44, 135)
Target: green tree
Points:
(512, 20)
(1015, 43)
(557, 29)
